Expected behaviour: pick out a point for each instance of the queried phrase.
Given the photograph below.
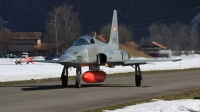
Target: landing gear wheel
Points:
(64, 79)
(138, 75)
(78, 82)
(137, 80)
(78, 77)
(64, 76)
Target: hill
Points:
(133, 52)
(130, 47)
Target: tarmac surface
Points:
(52, 97)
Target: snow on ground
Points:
(11, 72)
(185, 105)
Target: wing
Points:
(46, 61)
(138, 61)
(144, 61)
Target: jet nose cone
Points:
(65, 59)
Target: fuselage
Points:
(88, 51)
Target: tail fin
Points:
(30, 59)
(114, 40)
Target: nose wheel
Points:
(78, 77)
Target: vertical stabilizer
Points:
(114, 40)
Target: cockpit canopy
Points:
(84, 40)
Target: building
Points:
(155, 49)
(42, 49)
(23, 42)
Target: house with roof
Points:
(155, 49)
(24, 42)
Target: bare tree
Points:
(175, 36)
(2, 22)
(52, 26)
(193, 39)
(105, 30)
(184, 37)
(6, 41)
(70, 24)
(154, 32)
(63, 26)
(124, 33)
(160, 33)
(144, 40)
(166, 35)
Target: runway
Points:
(52, 97)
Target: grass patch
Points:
(34, 81)
(191, 94)
(109, 75)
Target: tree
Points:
(155, 32)
(193, 39)
(124, 33)
(176, 36)
(144, 40)
(70, 24)
(63, 26)
(6, 41)
(2, 22)
(52, 26)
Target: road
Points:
(51, 97)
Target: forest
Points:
(168, 21)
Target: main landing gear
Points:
(138, 75)
(64, 77)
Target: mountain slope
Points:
(133, 52)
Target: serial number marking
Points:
(79, 58)
(114, 40)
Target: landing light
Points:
(106, 64)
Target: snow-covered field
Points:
(186, 105)
(11, 72)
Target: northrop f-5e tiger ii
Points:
(89, 51)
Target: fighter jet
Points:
(89, 51)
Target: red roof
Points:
(23, 35)
(103, 38)
(159, 45)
